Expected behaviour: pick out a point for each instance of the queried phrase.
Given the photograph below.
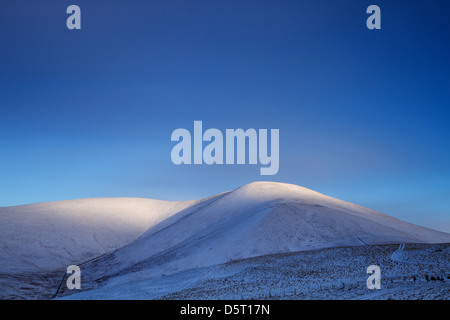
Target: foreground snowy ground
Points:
(417, 272)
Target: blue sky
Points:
(364, 115)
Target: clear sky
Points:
(364, 115)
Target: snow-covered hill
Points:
(257, 219)
(134, 239)
(49, 236)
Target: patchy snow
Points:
(333, 273)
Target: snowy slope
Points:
(332, 273)
(134, 239)
(48, 236)
(257, 219)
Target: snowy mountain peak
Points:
(256, 219)
(265, 191)
(261, 189)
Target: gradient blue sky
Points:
(364, 115)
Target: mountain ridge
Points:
(255, 219)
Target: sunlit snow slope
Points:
(257, 219)
(48, 236)
(163, 237)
